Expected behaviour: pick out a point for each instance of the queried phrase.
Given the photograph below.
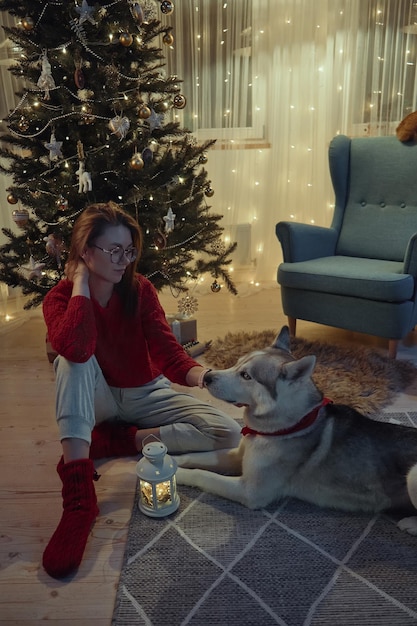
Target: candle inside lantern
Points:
(157, 485)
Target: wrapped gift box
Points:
(184, 329)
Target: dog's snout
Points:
(208, 378)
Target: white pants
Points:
(84, 399)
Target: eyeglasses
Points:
(118, 252)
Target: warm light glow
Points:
(162, 493)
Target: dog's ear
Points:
(282, 341)
(302, 368)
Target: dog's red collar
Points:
(307, 421)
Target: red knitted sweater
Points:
(130, 351)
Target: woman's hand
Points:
(195, 376)
(81, 273)
(80, 280)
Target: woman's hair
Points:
(92, 223)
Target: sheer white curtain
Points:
(273, 81)
(280, 78)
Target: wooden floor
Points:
(30, 500)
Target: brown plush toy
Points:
(407, 128)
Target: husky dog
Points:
(297, 443)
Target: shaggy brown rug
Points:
(360, 377)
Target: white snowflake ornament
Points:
(188, 305)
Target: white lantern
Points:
(157, 485)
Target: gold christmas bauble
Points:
(215, 287)
(179, 101)
(11, 199)
(167, 7)
(28, 23)
(209, 191)
(20, 217)
(162, 106)
(144, 112)
(168, 39)
(203, 158)
(23, 124)
(126, 39)
(136, 162)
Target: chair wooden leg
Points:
(392, 348)
(292, 325)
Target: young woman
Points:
(116, 360)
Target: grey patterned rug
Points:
(216, 563)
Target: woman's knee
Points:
(207, 432)
(64, 366)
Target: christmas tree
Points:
(95, 121)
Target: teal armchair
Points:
(360, 273)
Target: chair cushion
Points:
(372, 279)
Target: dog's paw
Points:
(184, 476)
(409, 524)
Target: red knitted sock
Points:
(110, 439)
(65, 550)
